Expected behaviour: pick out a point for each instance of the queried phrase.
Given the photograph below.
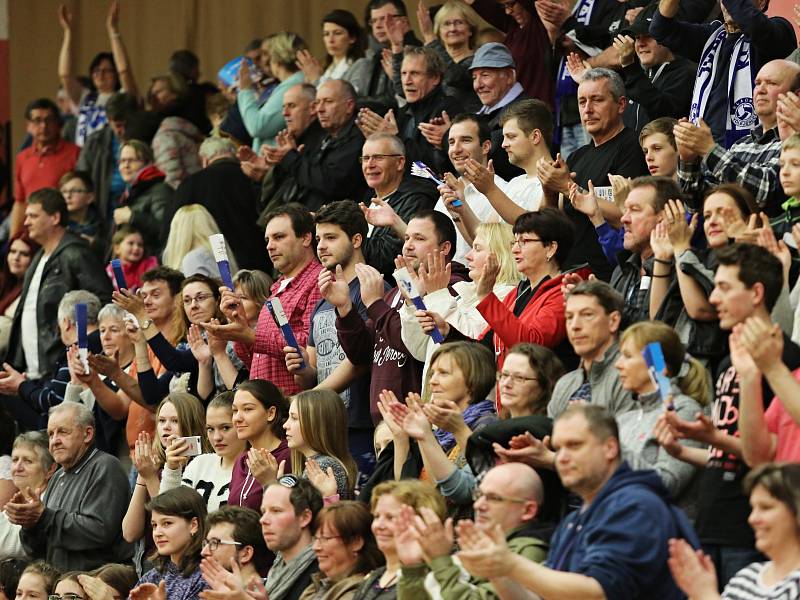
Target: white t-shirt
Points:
(523, 190)
(30, 328)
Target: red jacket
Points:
(541, 322)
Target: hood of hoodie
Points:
(625, 477)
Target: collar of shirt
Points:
(511, 94)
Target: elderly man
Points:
(76, 526)
(615, 546)
(228, 195)
(613, 149)
(383, 163)
(509, 497)
(424, 120)
(494, 80)
(314, 176)
(753, 161)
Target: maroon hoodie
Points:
(377, 343)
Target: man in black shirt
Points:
(614, 149)
(747, 284)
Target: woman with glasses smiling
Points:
(68, 588)
(346, 551)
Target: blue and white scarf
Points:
(741, 116)
(565, 85)
(91, 117)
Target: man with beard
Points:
(341, 231)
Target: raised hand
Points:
(379, 213)
(64, 18)
(692, 570)
(624, 45)
(659, 242)
(416, 424)
(324, 481)
(435, 275)
(131, 302)
(576, 66)
(587, 203)
(174, 453)
(309, 65)
(434, 537)
(762, 340)
(489, 273)
(295, 359)
(264, 466)
(105, 365)
(144, 458)
(667, 438)
(430, 320)
(478, 175)
(406, 537)
(334, 287)
(96, 588)
(435, 130)
(198, 345)
(527, 449)
(679, 231)
(386, 400)
(112, 19)
(371, 281)
(483, 554)
(149, 591)
(445, 414)
(702, 429)
(425, 23)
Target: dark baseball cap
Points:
(641, 24)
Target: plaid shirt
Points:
(265, 357)
(752, 162)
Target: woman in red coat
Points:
(534, 312)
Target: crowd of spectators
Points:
(434, 372)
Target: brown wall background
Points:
(216, 30)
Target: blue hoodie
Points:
(620, 540)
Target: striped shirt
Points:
(747, 584)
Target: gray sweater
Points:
(80, 528)
(607, 390)
(642, 451)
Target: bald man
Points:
(753, 161)
(509, 496)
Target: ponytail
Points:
(695, 382)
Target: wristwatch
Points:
(146, 324)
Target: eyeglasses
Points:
(477, 494)
(324, 539)
(377, 157)
(213, 543)
(65, 597)
(522, 242)
(200, 298)
(68, 193)
(288, 481)
(515, 379)
(454, 23)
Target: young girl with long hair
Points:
(179, 527)
(316, 432)
(188, 249)
(209, 474)
(259, 412)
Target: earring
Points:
(548, 258)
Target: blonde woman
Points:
(316, 432)
(460, 310)
(264, 122)
(188, 249)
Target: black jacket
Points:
(329, 172)
(229, 196)
(667, 94)
(97, 158)
(382, 244)
(422, 111)
(71, 266)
